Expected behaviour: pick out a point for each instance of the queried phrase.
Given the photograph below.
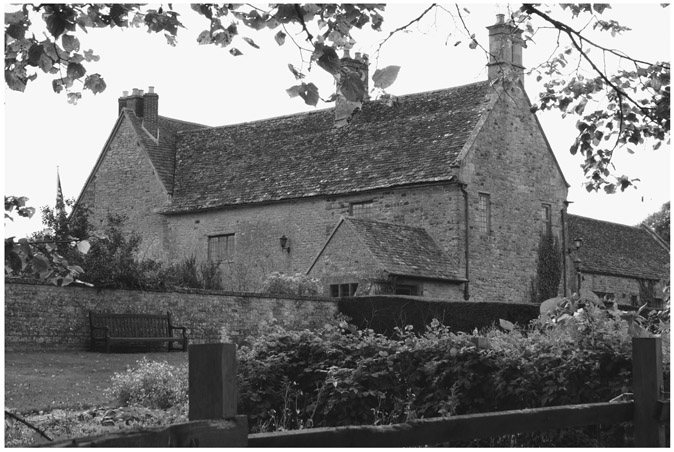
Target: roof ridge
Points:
(184, 122)
(605, 221)
(323, 110)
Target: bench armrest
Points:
(184, 330)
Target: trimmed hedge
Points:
(382, 313)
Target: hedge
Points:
(383, 313)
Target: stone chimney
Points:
(144, 106)
(151, 112)
(505, 49)
(357, 65)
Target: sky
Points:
(205, 84)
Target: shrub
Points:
(152, 384)
(280, 284)
(339, 375)
(384, 313)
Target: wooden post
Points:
(212, 381)
(647, 387)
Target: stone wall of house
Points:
(126, 183)
(307, 223)
(626, 291)
(511, 162)
(39, 315)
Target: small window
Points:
(221, 248)
(343, 290)
(484, 214)
(361, 209)
(634, 299)
(406, 290)
(546, 217)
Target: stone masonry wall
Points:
(48, 316)
(510, 161)
(126, 183)
(307, 223)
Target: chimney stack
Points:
(145, 106)
(505, 49)
(151, 112)
(349, 65)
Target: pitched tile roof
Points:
(404, 250)
(303, 155)
(616, 249)
(162, 151)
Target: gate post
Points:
(212, 389)
(647, 386)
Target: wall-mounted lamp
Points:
(577, 243)
(283, 240)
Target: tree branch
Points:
(573, 34)
(399, 29)
(14, 416)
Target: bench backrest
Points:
(133, 325)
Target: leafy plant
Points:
(280, 284)
(152, 384)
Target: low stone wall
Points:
(46, 316)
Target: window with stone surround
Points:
(362, 209)
(484, 214)
(221, 248)
(343, 290)
(546, 216)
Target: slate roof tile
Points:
(302, 155)
(162, 151)
(616, 249)
(404, 250)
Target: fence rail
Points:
(214, 422)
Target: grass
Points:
(44, 381)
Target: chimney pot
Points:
(150, 89)
(135, 92)
(347, 54)
(125, 94)
(500, 19)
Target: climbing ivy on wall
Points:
(545, 284)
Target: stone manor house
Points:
(444, 194)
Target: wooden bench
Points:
(108, 329)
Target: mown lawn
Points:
(47, 380)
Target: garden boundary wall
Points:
(46, 316)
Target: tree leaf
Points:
(310, 94)
(89, 56)
(70, 43)
(506, 325)
(14, 81)
(34, 54)
(75, 71)
(329, 61)
(353, 88)
(83, 246)
(298, 75)
(383, 78)
(280, 38)
(73, 98)
(95, 83)
(234, 51)
(294, 91)
(204, 38)
(251, 42)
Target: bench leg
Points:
(185, 344)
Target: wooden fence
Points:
(214, 422)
